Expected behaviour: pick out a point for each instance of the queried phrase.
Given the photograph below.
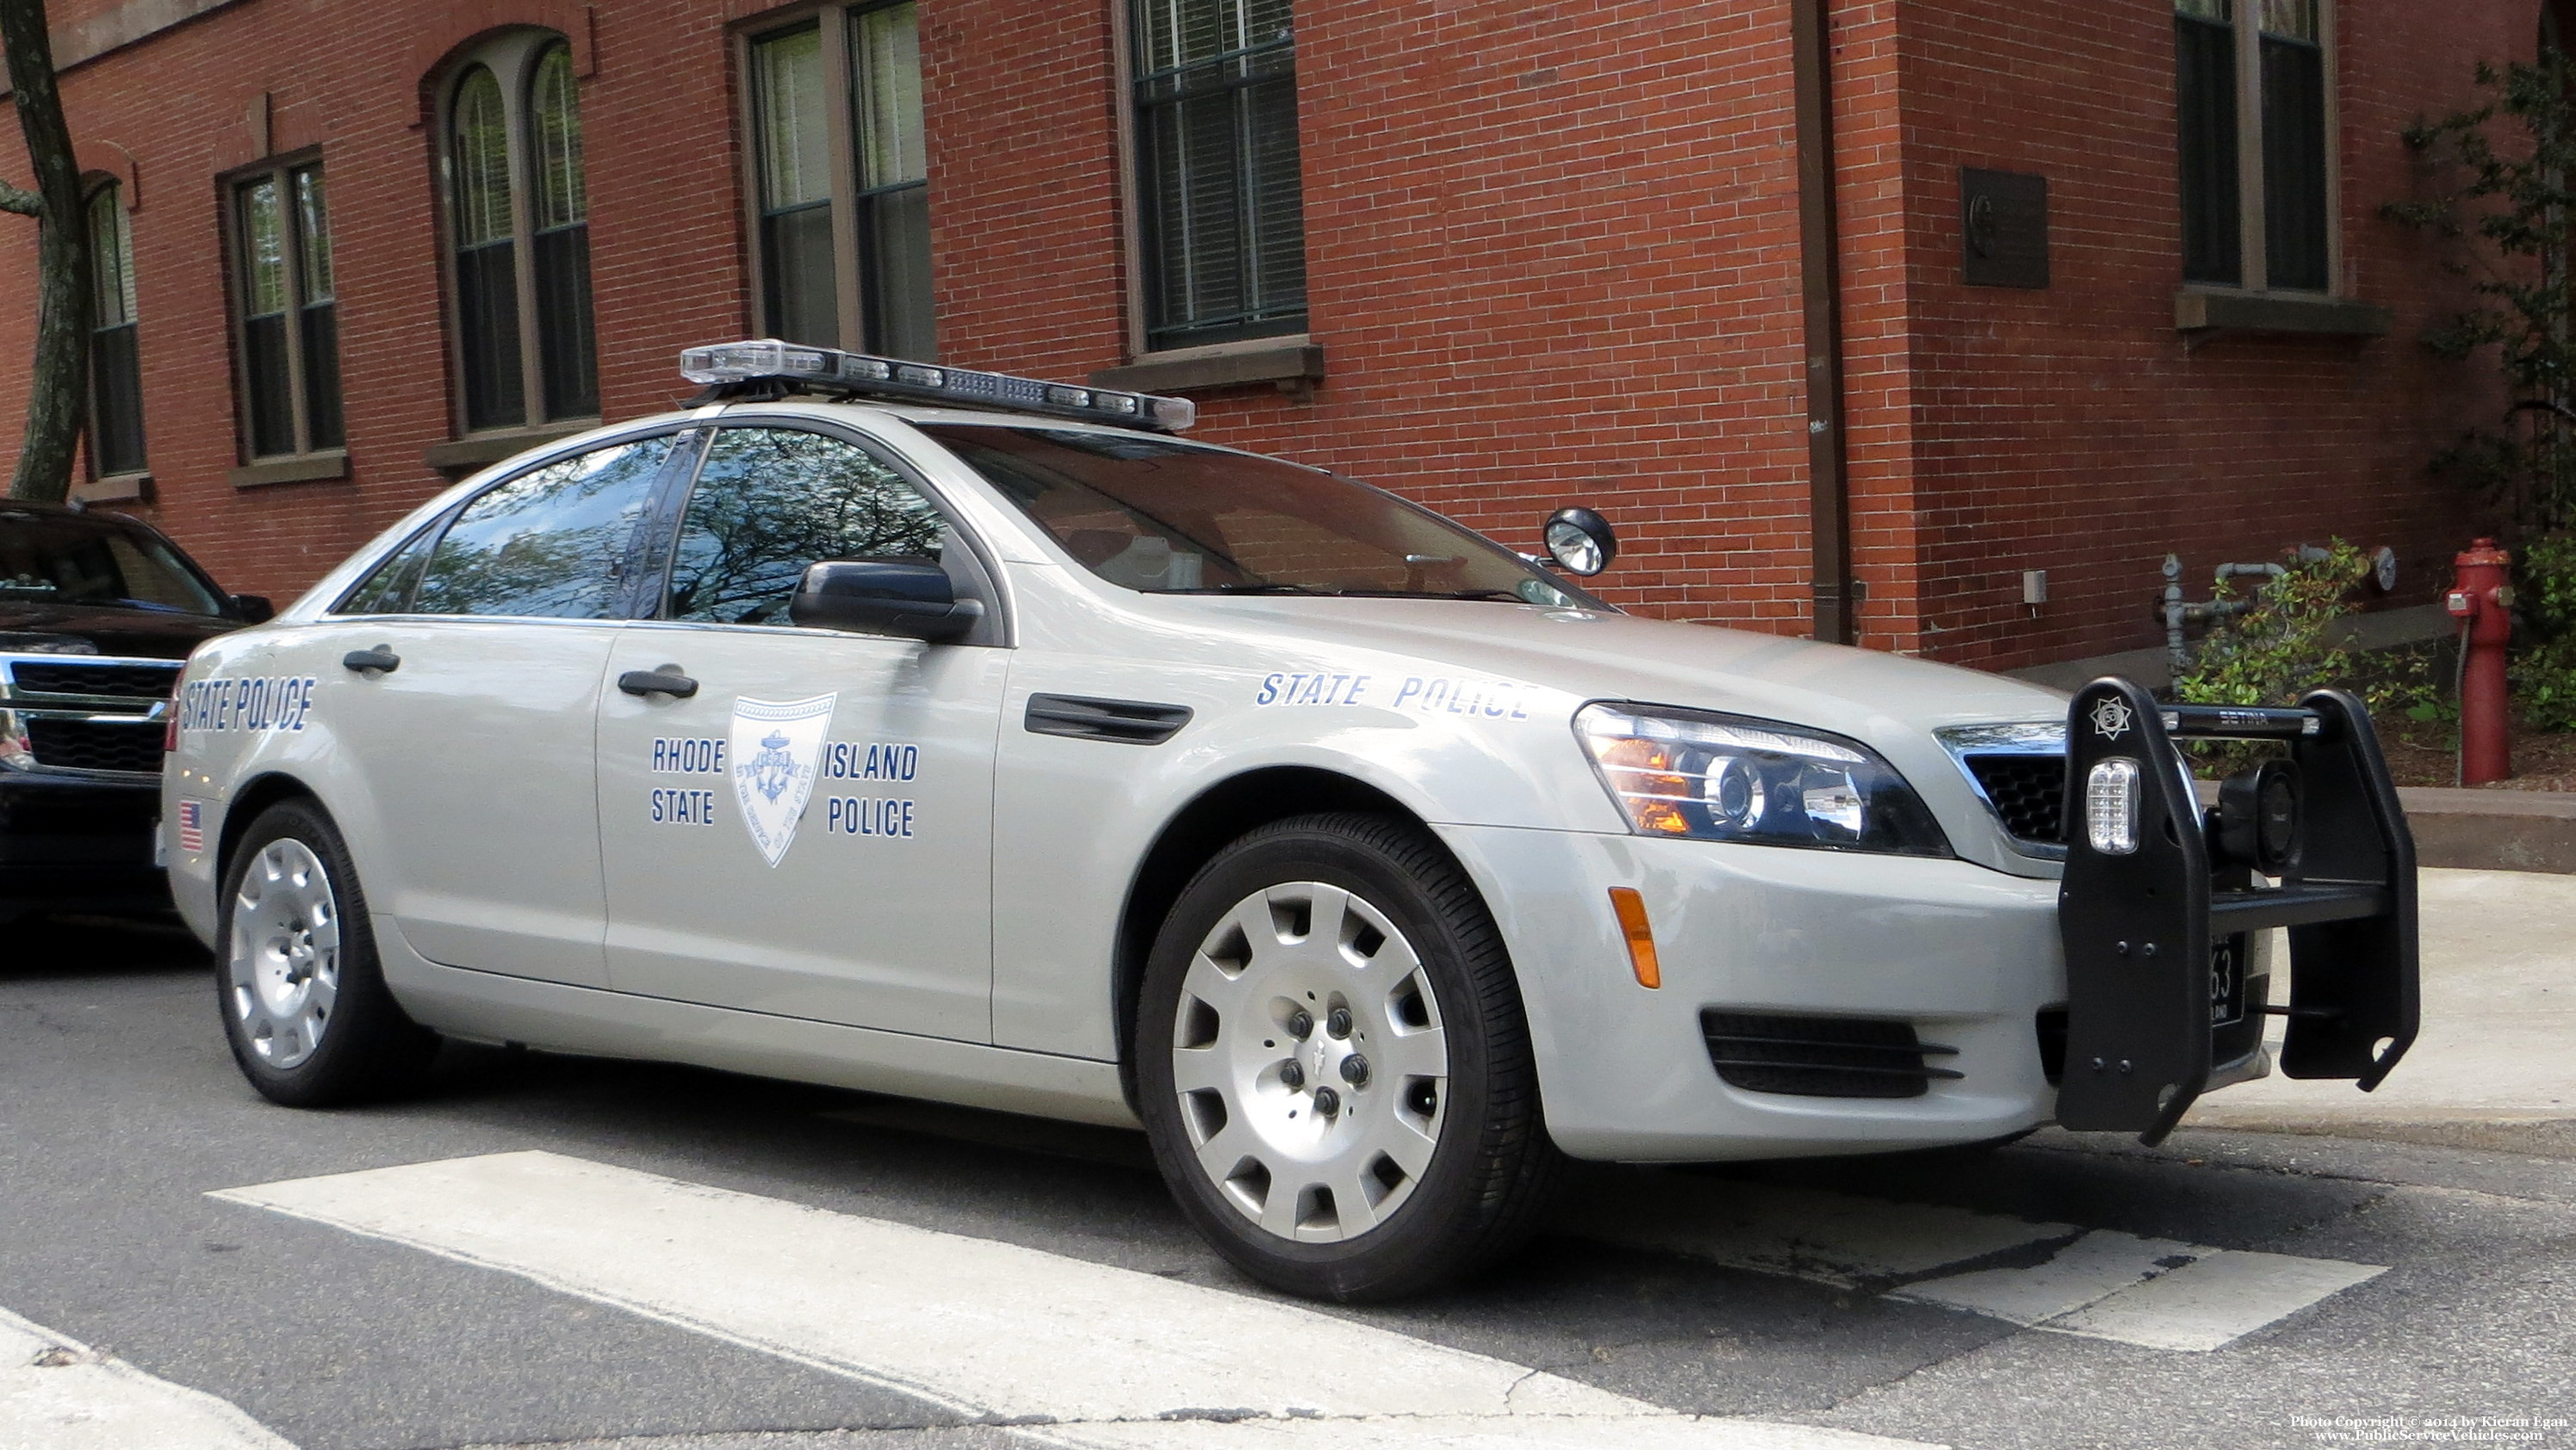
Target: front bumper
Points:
(1966, 956)
(78, 843)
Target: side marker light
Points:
(1631, 909)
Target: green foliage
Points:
(2544, 666)
(2508, 163)
(2284, 643)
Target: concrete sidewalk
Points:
(2498, 1045)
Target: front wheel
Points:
(304, 1002)
(1334, 1066)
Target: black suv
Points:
(97, 613)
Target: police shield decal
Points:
(774, 747)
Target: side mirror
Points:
(254, 608)
(912, 598)
(1580, 541)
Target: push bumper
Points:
(78, 843)
(2163, 904)
(1761, 947)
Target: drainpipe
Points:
(1820, 284)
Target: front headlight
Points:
(1717, 777)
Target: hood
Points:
(34, 625)
(1868, 694)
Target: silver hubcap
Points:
(1310, 1063)
(285, 953)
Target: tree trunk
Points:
(58, 388)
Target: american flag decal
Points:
(192, 826)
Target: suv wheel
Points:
(304, 1003)
(1333, 1064)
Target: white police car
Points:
(958, 735)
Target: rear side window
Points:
(549, 544)
(769, 502)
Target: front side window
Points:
(2276, 232)
(289, 347)
(115, 361)
(551, 543)
(1216, 169)
(844, 247)
(771, 501)
(1174, 518)
(513, 154)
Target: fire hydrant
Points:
(2481, 599)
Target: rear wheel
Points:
(1334, 1066)
(304, 1002)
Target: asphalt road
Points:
(1825, 1294)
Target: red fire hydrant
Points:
(2481, 599)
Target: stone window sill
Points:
(114, 488)
(474, 450)
(1293, 363)
(2206, 311)
(297, 468)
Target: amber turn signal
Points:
(1641, 937)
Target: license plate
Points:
(2227, 963)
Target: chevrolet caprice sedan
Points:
(970, 737)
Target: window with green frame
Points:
(519, 235)
(841, 180)
(115, 361)
(1222, 212)
(2275, 234)
(288, 348)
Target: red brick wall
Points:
(1553, 258)
(665, 239)
(2074, 430)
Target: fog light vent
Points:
(1821, 1057)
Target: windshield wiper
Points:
(1252, 589)
(1506, 595)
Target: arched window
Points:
(115, 364)
(512, 151)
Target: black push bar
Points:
(2161, 903)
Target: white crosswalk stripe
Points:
(57, 1393)
(2158, 1293)
(1116, 1357)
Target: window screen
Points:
(1223, 210)
(2205, 112)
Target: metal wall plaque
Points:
(2003, 228)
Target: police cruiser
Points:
(971, 737)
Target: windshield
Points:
(1174, 518)
(61, 560)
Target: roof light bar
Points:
(828, 369)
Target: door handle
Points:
(379, 659)
(657, 682)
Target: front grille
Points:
(2028, 791)
(1821, 1057)
(95, 744)
(135, 682)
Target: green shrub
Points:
(2285, 643)
(2544, 654)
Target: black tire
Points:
(363, 1047)
(1491, 1167)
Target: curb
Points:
(2492, 830)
